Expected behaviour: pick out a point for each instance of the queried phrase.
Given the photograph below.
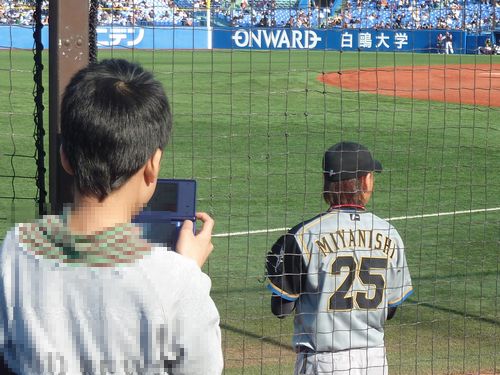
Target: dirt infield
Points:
(465, 84)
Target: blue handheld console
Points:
(172, 202)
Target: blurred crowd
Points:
(126, 12)
(147, 12)
(474, 15)
(471, 15)
(20, 12)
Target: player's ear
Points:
(367, 182)
(65, 162)
(152, 168)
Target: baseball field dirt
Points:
(471, 84)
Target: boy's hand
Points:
(197, 247)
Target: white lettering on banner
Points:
(312, 39)
(275, 39)
(346, 41)
(240, 38)
(382, 40)
(114, 35)
(271, 39)
(256, 40)
(284, 41)
(365, 40)
(400, 39)
(297, 37)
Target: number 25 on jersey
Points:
(344, 297)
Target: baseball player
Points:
(344, 273)
(440, 43)
(449, 43)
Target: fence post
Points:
(494, 16)
(68, 53)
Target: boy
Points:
(344, 272)
(83, 292)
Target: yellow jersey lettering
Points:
(352, 238)
(362, 238)
(378, 240)
(387, 245)
(324, 246)
(341, 235)
(334, 241)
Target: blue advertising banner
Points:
(20, 37)
(384, 40)
(118, 37)
(152, 37)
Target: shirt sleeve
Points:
(3, 304)
(399, 285)
(5, 278)
(285, 268)
(199, 335)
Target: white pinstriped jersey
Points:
(343, 268)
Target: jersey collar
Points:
(347, 207)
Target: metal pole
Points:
(39, 110)
(68, 53)
(494, 18)
(464, 25)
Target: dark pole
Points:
(38, 91)
(68, 53)
(494, 18)
(464, 28)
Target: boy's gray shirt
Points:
(109, 303)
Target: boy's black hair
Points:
(114, 116)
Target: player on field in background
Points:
(83, 292)
(344, 273)
(449, 43)
(440, 43)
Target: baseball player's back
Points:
(344, 272)
(355, 269)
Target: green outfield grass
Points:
(251, 127)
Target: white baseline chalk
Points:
(396, 218)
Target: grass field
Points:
(251, 127)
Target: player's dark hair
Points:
(114, 116)
(343, 192)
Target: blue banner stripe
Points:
(383, 40)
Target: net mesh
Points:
(22, 184)
(251, 127)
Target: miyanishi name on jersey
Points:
(358, 238)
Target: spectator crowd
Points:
(147, 13)
(474, 16)
(20, 12)
(471, 15)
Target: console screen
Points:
(164, 198)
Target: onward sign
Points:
(275, 39)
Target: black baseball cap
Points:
(348, 160)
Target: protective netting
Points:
(93, 9)
(22, 173)
(38, 90)
(251, 126)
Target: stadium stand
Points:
(422, 14)
(20, 12)
(471, 15)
